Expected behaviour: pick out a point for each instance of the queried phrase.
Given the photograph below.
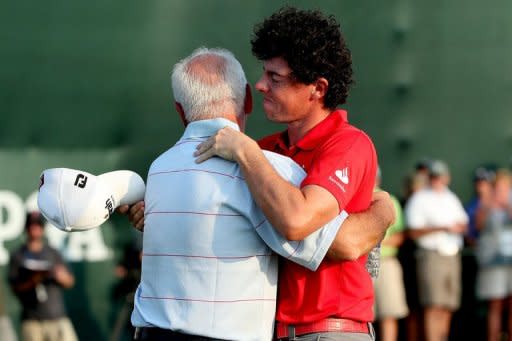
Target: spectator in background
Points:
(414, 320)
(436, 220)
(482, 184)
(128, 271)
(37, 275)
(390, 302)
(422, 168)
(494, 254)
(6, 330)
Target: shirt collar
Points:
(317, 134)
(207, 128)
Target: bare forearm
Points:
(361, 232)
(63, 277)
(67, 281)
(417, 233)
(357, 236)
(283, 204)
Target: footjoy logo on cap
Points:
(342, 175)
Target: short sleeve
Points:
(308, 252)
(346, 166)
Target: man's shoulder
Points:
(418, 198)
(164, 158)
(17, 253)
(276, 159)
(286, 167)
(351, 135)
(349, 142)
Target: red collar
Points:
(317, 134)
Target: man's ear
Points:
(320, 89)
(248, 99)
(180, 111)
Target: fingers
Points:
(204, 150)
(205, 155)
(123, 209)
(140, 225)
(203, 146)
(136, 212)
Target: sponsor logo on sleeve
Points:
(340, 178)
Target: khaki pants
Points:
(6, 329)
(48, 330)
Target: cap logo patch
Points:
(109, 205)
(80, 181)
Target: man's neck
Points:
(438, 187)
(298, 129)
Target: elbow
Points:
(351, 254)
(293, 234)
(295, 227)
(345, 254)
(344, 250)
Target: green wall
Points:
(85, 84)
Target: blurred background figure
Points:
(494, 255)
(390, 302)
(128, 272)
(37, 275)
(482, 186)
(6, 330)
(436, 220)
(414, 182)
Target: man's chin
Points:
(273, 119)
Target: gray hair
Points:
(209, 83)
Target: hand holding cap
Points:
(74, 200)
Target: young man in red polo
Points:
(306, 75)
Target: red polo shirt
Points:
(342, 159)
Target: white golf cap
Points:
(74, 200)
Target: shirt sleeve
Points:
(463, 217)
(414, 216)
(310, 251)
(346, 166)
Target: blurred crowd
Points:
(446, 266)
(445, 271)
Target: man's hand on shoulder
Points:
(135, 214)
(227, 143)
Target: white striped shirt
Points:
(208, 267)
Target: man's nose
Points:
(261, 85)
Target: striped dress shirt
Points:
(209, 263)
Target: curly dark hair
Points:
(313, 46)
